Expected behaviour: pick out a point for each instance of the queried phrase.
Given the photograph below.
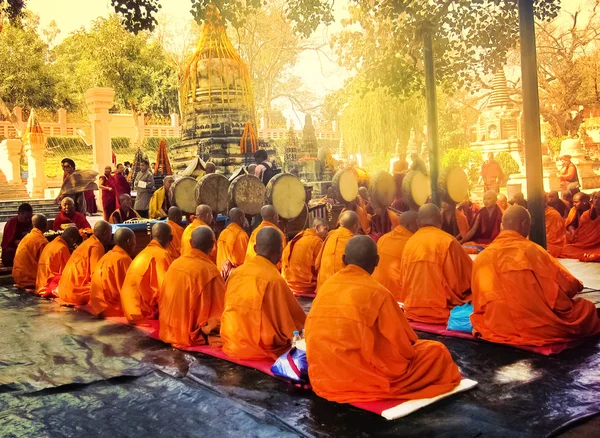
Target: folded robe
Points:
(52, 261)
(390, 247)
(232, 246)
(586, 239)
(299, 261)
(250, 253)
(107, 280)
(187, 236)
(330, 260)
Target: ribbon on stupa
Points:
(34, 134)
(249, 136)
(162, 159)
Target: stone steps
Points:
(8, 209)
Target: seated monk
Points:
(14, 231)
(581, 204)
(192, 297)
(487, 222)
(174, 218)
(109, 274)
(502, 202)
(329, 260)
(470, 210)
(125, 212)
(586, 238)
(567, 198)
(145, 276)
(364, 200)
(518, 199)
(54, 258)
(555, 202)
(522, 295)
(28, 253)
(75, 281)
(299, 262)
(261, 313)
(555, 229)
(390, 248)
(270, 218)
(203, 218)
(159, 203)
(233, 243)
(68, 215)
(359, 345)
(454, 222)
(435, 271)
(363, 218)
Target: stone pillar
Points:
(36, 180)
(10, 159)
(175, 120)
(99, 101)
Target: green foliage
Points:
(507, 163)
(14, 10)
(58, 148)
(137, 15)
(467, 159)
(554, 144)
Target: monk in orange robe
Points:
(192, 297)
(581, 204)
(261, 312)
(523, 296)
(28, 253)
(487, 222)
(203, 218)
(270, 218)
(435, 271)
(75, 281)
(174, 217)
(374, 354)
(390, 248)
(382, 222)
(555, 230)
(586, 239)
(329, 260)
(109, 274)
(300, 258)
(502, 202)
(54, 258)
(363, 217)
(364, 199)
(454, 221)
(233, 243)
(145, 276)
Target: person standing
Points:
(121, 184)
(568, 175)
(68, 167)
(107, 187)
(144, 187)
(491, 174)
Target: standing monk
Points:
(523, 296)
(435, 271)
(261, 313)
(145, 276)
(329, 260)
(299, 261)
(28, 253)
(174, 218)
(75, 281)
(586, 239)
(270, 218)
(121, 184)
(203, 218)
(390, 248)
(491, 174)
(233, 243)
(107, 187)
(54, 258)
(568, 174)
(68, 216)
(192, 297)
(373, 354)
(124, 212)
(109, 274)
(15, 229)
(487, 222)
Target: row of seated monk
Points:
(360, 345)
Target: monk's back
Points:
(298, 261)
(331, 255)
(28, 253)
(53, 259)
(107, 281)
(232, 245)
(390, 248)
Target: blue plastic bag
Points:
(460, 318)
(292, 366)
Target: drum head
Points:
(457, 184)
(248, 193)
(345, 184)
(382, 189)
(286, 193)
(183, 194)
(416, 189)
(212, 190)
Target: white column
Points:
(10, 159)
(99, 101)
(36, 180)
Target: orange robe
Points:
(232, 246)
(586, 239)
(360, 347)
(330, 260)
(75, 281)
(174, 248)
(261, 313)
(192, 297)
(523, 296)
(435, 276)
(107, 280)
(299, 261)
(390, 247)
(363, 217)
(28, 253)
(570, 217)
(144, 278)
(187, 235)
(555, 231)
(250, 253)
(462, 222)
(51, 263)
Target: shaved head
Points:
(490, 198)
(203, 239)
(408, 220)
(269, 244)
(103, 231)
(175, 214)
(269, 213)
(237, 216)
(71, 235)
(125, 239)
(161, 232)
(125, 201)
(429, 215)
(350, 221)
(516, 218)
(362, 252)
(321, 227)
(204, 213)
(210, 167)
(167, 183)
(39, 221)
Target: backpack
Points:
(269, 172)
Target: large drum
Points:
(286, 193)
(345, 185)
(183, 194)
(213, 190)
(415, 189)
(298, 224)
(454, 184)
(248, 193)
(382, 189)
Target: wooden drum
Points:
(248, 193)
(286, 193)
(454, 184)
(415, 189)
(382, 189)
(345, 185)
(296, 225)
(183, 194)
(213, 190)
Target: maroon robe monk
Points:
(68, 215)
(107, 188)
(120, 183)
(14, 231)
(487, 222)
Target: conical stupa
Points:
(499, 97)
